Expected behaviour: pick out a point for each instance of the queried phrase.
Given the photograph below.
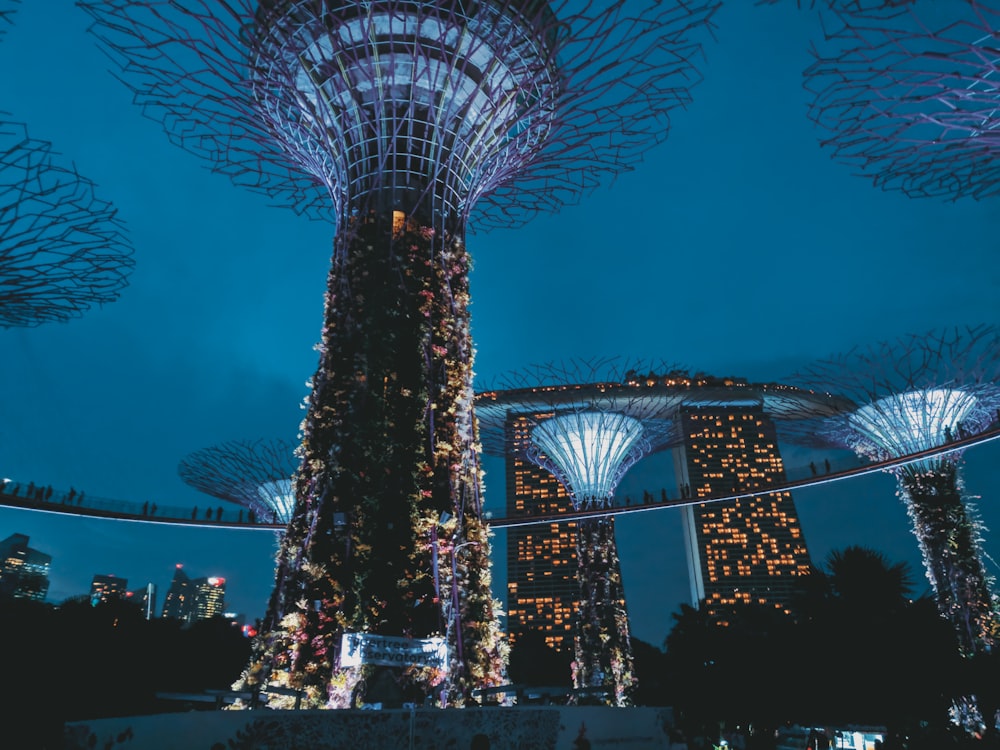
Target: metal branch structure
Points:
(588, 422)
(62, 250)
(7, 9)
(911, 98)
(399, 120)
(914, 393)
(256, 474)
(855, 6)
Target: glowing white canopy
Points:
(279, 497)
(588, 451)
(913, 421)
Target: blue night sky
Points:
(738, 247)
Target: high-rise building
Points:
(191, 599)
(179, 601)
(744, 551)
(145, 598)
(105, 588)
(24, 572)
(209, 597)
(542, 589)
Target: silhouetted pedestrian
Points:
(826, 463)
(152, 509)
(194, 513)
(812, 467)
(145, 508)
(218, 513)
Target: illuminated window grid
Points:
(751, 549)
(542, 586)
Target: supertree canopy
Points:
(396, 118)
(916, 393)
(62, 250)
(255, 474)
(910, 98)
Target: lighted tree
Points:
(396, 119)
(585, 424)
(914, 394)
(256, 475)
(62, 250)
(910, 98)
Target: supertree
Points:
(395, 118)
(62, 250)
(913, 394)
(584, 424)
(256, 474)
(910, 98)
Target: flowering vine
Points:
(388, 448)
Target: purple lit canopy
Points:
(910, 98)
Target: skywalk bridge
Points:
(45, 499)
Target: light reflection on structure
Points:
(589, 452)
(911, 422)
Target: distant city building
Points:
(190, 599)
(179, 601)
(145, 598)
(24, 572)
(210, 597)
(745, 551)
(106, 588)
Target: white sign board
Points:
(367, 648)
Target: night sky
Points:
(738, 247)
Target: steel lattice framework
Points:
(397, 119)
(256, 474)
(911, 98)
(914, 393)
(62, 250)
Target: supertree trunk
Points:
(950, 548)
(392, 394)
(603, 652)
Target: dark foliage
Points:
(857, 650)
(77, 661)
(533, 662)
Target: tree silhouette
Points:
(857, 649)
